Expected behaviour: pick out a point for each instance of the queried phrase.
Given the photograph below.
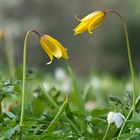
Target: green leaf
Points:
(10, 115)
(53, 124)
(78, 100)
(100, 111)
(115, 99)
(29, 137)
(10, 132)
(135, 121)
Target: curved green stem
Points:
(24, 74)
(130, 63)
(107, 129)
(137, 100)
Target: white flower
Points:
(116, 118)
(66, 86)
(128, 87)
(63, 80)
(137, 130)
(90, 105)
(36, 94)
(95, 83)
(46, 85)
(60, 74)
(10, 89)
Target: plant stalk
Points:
(129, 113)
(107, 130)
(130, 65)
(24, 75)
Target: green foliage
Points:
(83, 116)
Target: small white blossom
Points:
(60, 74)
(90, 105)
(128, 87)
(95, 83)
(66, 86)
(36, 94)
(10, 89)
(137, 130)
(46, 85)
(116, 118)
(64, 81)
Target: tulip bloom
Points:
(53, 48)
(90, 22)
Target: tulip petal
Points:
(89, 30)
(96, 22)
(58, 45)
(51, 59)
(45, 48)
(48, 63)
(50, 45)
(77, 18)
(82, 27)
(90, 22)
(92, 15)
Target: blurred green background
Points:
(104, 50)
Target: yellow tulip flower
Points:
(90, 22)
(53, 48)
